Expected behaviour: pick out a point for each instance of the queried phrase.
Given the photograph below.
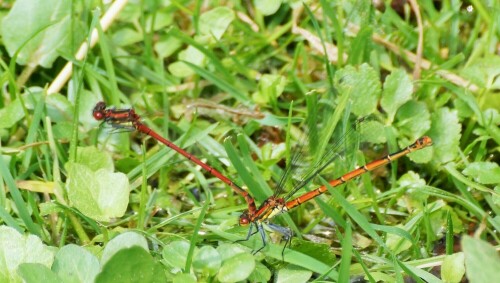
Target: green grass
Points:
(241, 86)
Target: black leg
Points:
(260, 229)
(287, 235)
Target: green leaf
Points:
(36, 272)
(75, 264)
(397, 90)
(373, 132)
(216, 21)
(59, 109)
(207, 261)
(496, 198)
(236, 268)
(483, 71)
(267, 7)
(260, 274)
(167, 46)
(16, 249)
(453, 268)
(45, 34)
(191, 55)
(482, 262)
(413, 120)
(175, 253)
(362, 84)
(276, 121)
(131, 265)
(123, 241)
(162, 20)
(270, 88)
(11, 114)
(396, 243)
(445, 134)
(293, 274)
(100, 195)
(126, 36)
(227, 251)
(94, 189)
(184, 278)
(94, 159)
(346, 257)
(483, 172)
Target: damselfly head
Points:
(99, 110)
(244, 218)
(425, 141)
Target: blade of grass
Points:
(345, 261)
(21, 205)
(224, 85)
(194, 238)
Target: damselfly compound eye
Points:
(99, 110)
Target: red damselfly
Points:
(120, 117)
(273, 205)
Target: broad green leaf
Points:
(491, 116)
(464, 110)
(445, 134)
(411, 179)
(59, 109)
(270, 88)
(260, 274)
(363, 85)
(36, 272)
(184, 278)
(229, 250)
(11, 114)
(207, 261)
(192, 55)
(175, 253)
(236, 268)
(75, 264)
(483, 172)
(122, 241)
(132, 264)
(373, 132)
(483, 71)
(167, 46)
(63, 130)
(482, 262)
(94, 189)
(126, 36)
(397, 90)
(396, 243)
(268, 7)
(216, 21)
(162, 20)
(293, 274)
(413, 120)
(101, 195)
(453, 268)
(94, 159)
(16, 249)
(44, 25)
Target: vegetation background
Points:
(239, 84)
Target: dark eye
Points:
(244, 221)
(98, 115)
